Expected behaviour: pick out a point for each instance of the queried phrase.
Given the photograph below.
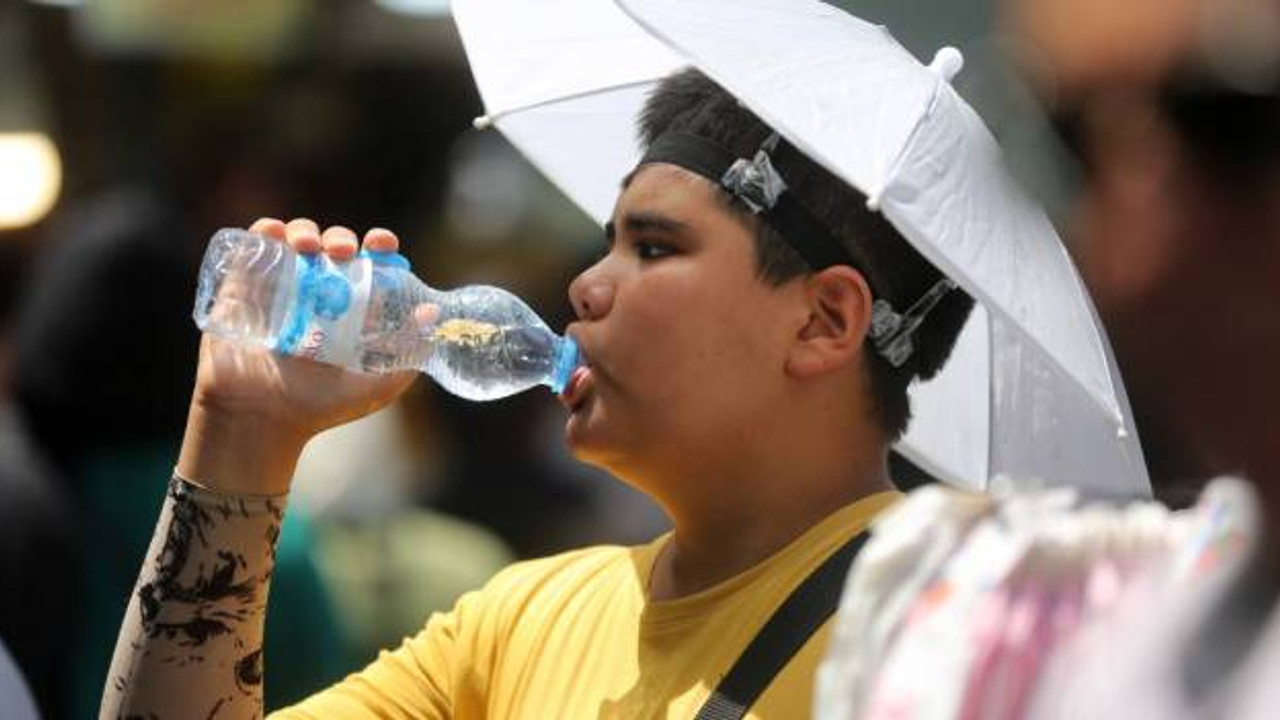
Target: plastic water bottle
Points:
(371, 314)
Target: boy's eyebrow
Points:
(646, 221)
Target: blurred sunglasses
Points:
(1220, 124)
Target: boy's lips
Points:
(577, 389)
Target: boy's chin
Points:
(588, 445)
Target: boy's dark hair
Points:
(690, 102)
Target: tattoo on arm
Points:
(191, 642)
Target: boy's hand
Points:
(253, 410)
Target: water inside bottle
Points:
(481, 361)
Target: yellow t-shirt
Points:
(574, 636)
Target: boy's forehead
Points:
(669, 185)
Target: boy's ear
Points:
(839, 317)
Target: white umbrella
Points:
(1032, 393)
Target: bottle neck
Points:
(567, 359)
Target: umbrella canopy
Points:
(1031, 393)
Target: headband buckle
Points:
(756, 182)
(892, 332)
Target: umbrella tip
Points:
(484, 122)
(947, 63)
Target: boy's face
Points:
(686, 344)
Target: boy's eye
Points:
(652, 250)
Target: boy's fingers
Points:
(381, 240)
(270, 227)
(303, 235)
(339, 243)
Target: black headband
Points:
(758, 186)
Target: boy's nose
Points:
(591, 294)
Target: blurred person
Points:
(1031, 606)
(111, 291)
(1173, 109)
(731, 375)
(1168, 108)
(36, 524)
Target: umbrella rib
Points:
(485, 121)
(873, 198)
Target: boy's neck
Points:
(749, 526)
(737, 499)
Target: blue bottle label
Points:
(328, 311)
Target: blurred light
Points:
(232, 30)
(30, 178)
(58, 3)
(415, 7)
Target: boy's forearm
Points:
(191, 641)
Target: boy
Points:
(733, 374)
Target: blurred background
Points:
(131, 130)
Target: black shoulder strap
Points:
(787, 630)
